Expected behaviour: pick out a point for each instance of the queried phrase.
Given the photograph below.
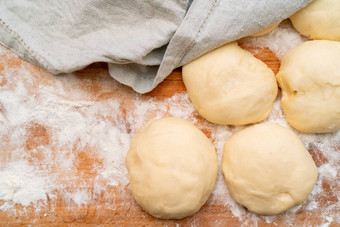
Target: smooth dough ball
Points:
(172, 168)
(266, 30)
(309, 77)
(230, 86)
(267, 169)
(319, 20)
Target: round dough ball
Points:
(267, 169)
(172, 168)
(230, 86)
(319, 20)
(266, 30)
(309, 77)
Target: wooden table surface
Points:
(115, 205)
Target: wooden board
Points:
(115, 204)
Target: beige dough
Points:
(266, 30)
(267, 168)
(319, 20)
(230, 86)
(309, 77)
(172, 168)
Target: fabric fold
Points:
(142, 41)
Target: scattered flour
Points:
(281, 39)
(80, 197)
(73, 125)
(23, 183)
(76, 127)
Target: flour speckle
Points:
(23, 183)
(80, 197)
(279, 41)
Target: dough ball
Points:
(267, 169)
(230, 86)
(319, 20)
(309, 77)
(266, 30)
(172, 168)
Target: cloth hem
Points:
(20, 47)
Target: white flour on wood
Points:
(279, 41)
(78, 132)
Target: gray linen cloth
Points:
(142, 41)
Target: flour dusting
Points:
(279, 41)
(80, 197)
(23, 183)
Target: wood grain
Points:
(115, 206)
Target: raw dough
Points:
(266, 30)
(267, 169)
(309, 77)
(172, 168)
(230, 86)
(319, 20)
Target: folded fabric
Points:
(142, 41)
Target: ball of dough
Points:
(266, 30)
(309, 77)
(267, 169)
(230, 86)
(319, 20)
(172, 168)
